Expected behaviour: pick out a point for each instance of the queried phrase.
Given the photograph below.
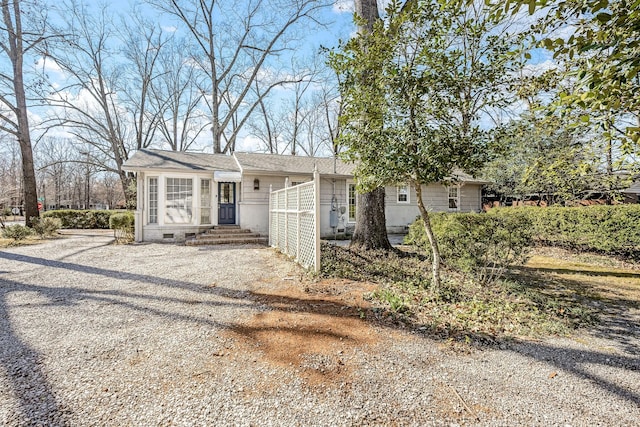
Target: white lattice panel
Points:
(294, 214)
(282, 230)
(307, 197)
(307, 229)
(292, 234)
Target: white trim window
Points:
(179, 200)
(205, 201)
(454, 198)
(403, 194)
(153, 200)
(351, 201)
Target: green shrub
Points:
(16, 232)
(45, 227)
(606, 229)
(122, 225)
(85, 219)
(481, 245)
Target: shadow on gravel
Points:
(616, 318)
(120, 275)
(577, 362)
(22, 364)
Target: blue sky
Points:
(340, 26)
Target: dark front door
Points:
(226, 203)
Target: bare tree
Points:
(11, 192)
(299, 113)
(268, 125)
(236, 45)
(143, 43)
(320, 126)
(177, 96)
(301, 118)
(55, 169)
(107, 191)
(17, 39)
(331, 109)
(91, 109)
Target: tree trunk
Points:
(368, 11)
(16, 54)
(371, 227)
(371, 224)
(435, 250)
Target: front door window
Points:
(227, 192)
(226, 203)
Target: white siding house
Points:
(182, 194)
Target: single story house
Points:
(181, 194)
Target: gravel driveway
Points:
(96, 334)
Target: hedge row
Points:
(605, 229)
(477, 244)
(610, 229)
(87, 219)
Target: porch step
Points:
(227, 235)
(227, 227)
(232, 241)
(228, 231)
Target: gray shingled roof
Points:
(277, 164)
(254, 163)
(160, 159)
(460, 176)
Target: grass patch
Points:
(7, 243)
(528, 302)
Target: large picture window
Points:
(179, 197)
(205, 201)
(153, 201)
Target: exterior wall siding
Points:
(254, 207)
(470, 198)
(436, 199)
(179, 232)
(253, 210)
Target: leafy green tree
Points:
(557, 152)
(603, 51)
(542, 157)
(415, 93)
(371, 225)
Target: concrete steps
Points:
(227, 235)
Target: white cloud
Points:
(343, 6)
(48, 65)
(169, 28)
(248, 144)
(539, 68)
(563, 32)
(348, 6)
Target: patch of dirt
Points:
(313, 328)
